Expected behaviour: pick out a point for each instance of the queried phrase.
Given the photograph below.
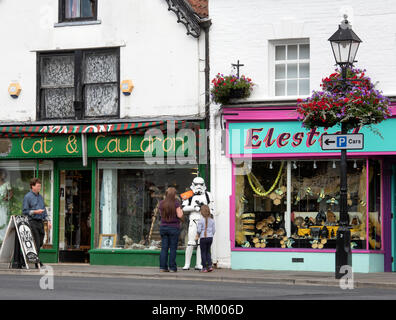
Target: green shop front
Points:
(101, 184)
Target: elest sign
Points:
(342, 141)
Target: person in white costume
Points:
(192, 206)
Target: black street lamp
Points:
(344, 43)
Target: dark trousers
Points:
(205, 244)
(37, 227)
(169, 240)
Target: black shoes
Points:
(41, 265)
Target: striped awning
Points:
(108, 128)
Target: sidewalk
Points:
(378, 280)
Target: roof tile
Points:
(201, 7)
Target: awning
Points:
(109, 128)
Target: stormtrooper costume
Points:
(192, 206)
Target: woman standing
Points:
(171, 213)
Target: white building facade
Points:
(268, 213)
(86, 80)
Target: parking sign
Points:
(341, 142)
(353, 141)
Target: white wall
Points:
(156, 54)
(241, 30)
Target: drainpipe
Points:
(205, 25)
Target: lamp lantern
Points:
(345, 43)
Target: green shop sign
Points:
(98, 145)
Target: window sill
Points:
(76, 23)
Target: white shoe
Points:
(186, 268)
(198, 267)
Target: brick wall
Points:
(200, 7)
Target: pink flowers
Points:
(355, 103)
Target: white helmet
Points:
(198, 185)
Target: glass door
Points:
(74, 215)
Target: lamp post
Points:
(344, 43)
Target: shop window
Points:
(15, 177)
(271, 212)
(291, 65)
(79, 84)
(129, 194)
(375, 221)
(77, 10)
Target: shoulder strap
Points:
(207, 197)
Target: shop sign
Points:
(287, 137)
(98, 145)
(134, 146)
(41, 147)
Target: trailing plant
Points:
(354, 102)
(225, 88)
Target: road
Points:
(27, 287)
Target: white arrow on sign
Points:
(352, 141)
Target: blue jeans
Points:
(205, 244)
(170, 238)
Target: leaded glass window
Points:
(89, 79)
(101, 84)
(57, 86)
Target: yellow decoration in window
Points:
(258, 188)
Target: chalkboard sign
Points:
(20, 224)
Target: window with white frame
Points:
(291, 68)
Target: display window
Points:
(129, 193)
(14, 184)
(294, 204)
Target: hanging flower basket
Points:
(356, 105)
(225, 88)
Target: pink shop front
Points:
(284, 207)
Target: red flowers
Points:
(228, 87)
(355, 104)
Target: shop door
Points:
(393, 208)
(74, 215)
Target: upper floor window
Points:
(78, 84)
(291, 68)
(77, 10)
